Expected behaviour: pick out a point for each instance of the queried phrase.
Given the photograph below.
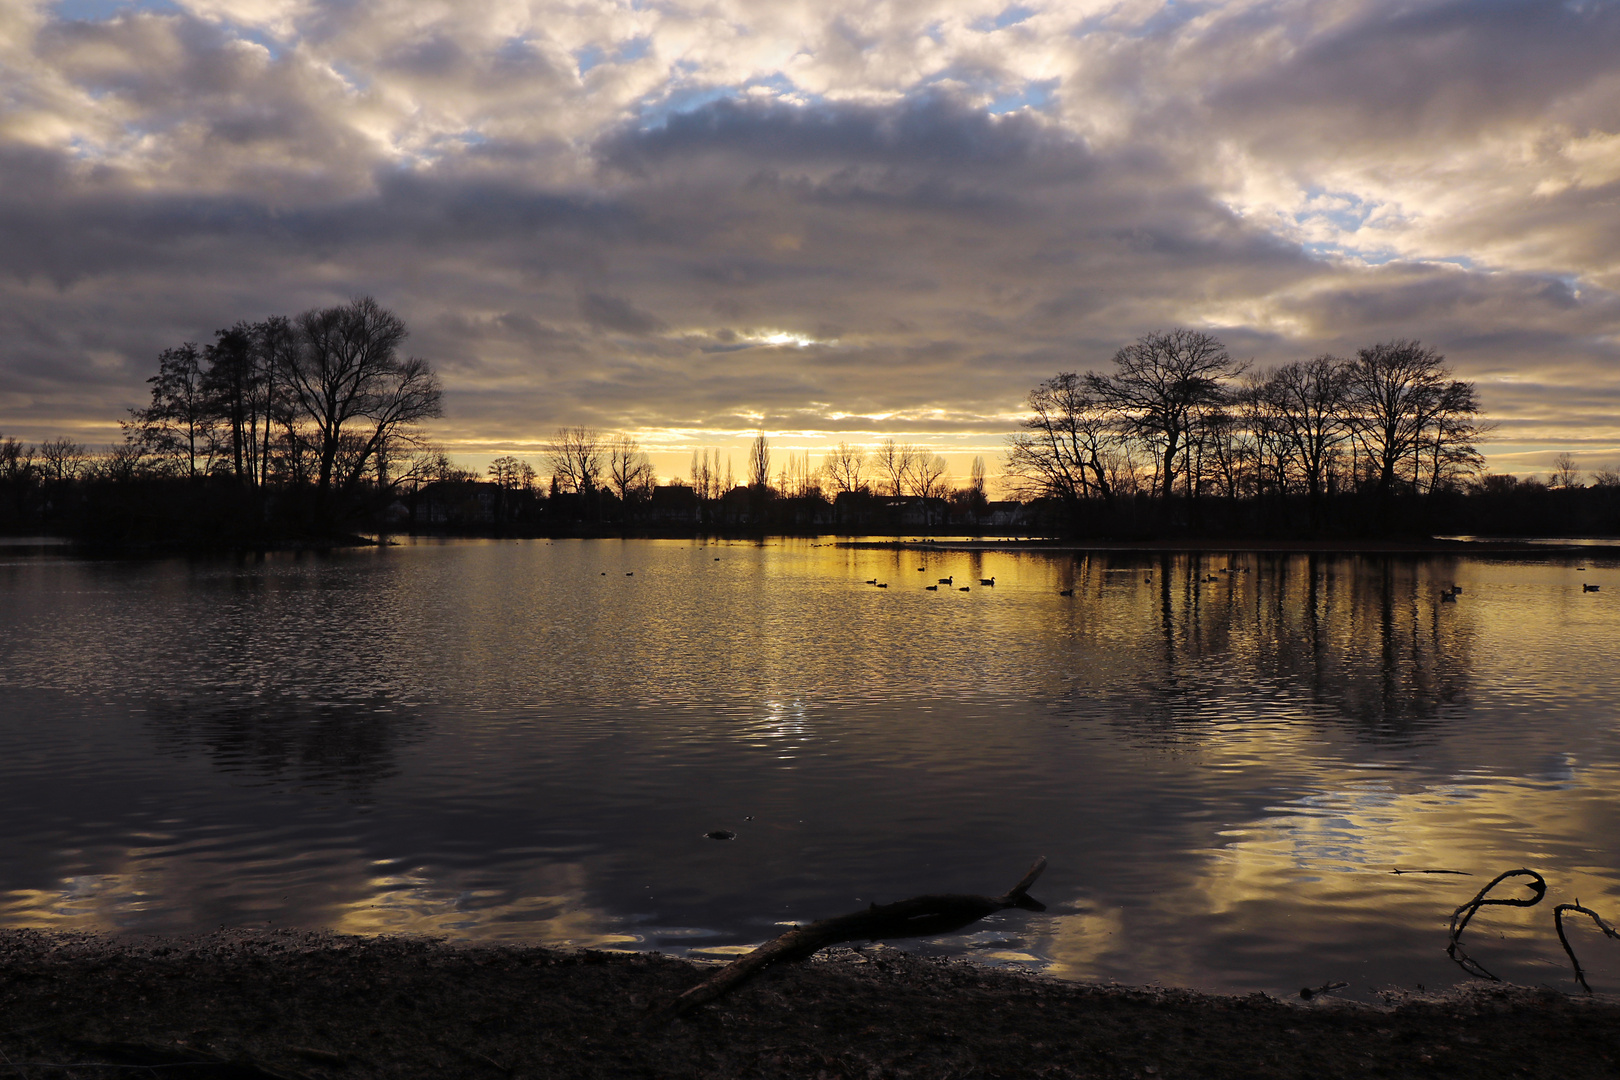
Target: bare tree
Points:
(276, 347)
(1160, 387)
(1448, 450)
(845, 468)
(1565, 473)
(971, 501)
(179, 423)
(431, 463)
(576, 457)
(630, 470)
(126, 460)
(1306, 408)
(64, 459)
(1395, 390)
(759, 462)
(913, 459)
(930, 477)
(929, 474)
(1222, 446)
(512, 473)
(1068, 440)
(794, 480)
(231, 384)
(348, 380)
(701, 474)
(895, 463)
(18, 473)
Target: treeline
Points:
(289, 427)
(1180, 437)
(303, 427)
(587, 479)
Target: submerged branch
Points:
(1558, 923)
(918, 917)
(1461, 917)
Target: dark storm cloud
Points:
(932, 132)
(614, 313)
(1404, 73)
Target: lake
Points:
(1224, 757)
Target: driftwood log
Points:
(918, 917)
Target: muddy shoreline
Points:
(289, 1004)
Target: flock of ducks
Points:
(988, 582)
(1447, 596)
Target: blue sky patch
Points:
(655, 114)
(101, 10)
(587, 58)
(1036, 94)
(1011, 15)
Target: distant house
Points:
(1005, 515)
(911, 512)
(456, 502)
(675, 504)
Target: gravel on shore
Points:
(252, 1005)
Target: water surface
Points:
(1223, 757)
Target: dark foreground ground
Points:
(306, 1005)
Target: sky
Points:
(826, 221)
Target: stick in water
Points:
(918, 917)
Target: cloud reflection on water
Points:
(519, 742)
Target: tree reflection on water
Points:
(1223, 755)
(347, 745)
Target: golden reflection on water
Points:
(547, 905)
(1223, 755)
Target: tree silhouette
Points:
(1067, 441)
(1160, 387)
(348, 380)
(577, 459)
(759, 462)
(179, 424)
(845, 468)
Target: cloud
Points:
(844, 218)
(613, 313)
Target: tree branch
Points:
(918, 917)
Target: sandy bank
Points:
(291, 1004)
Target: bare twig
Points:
(1459, 873)
(1460, 918)
(1558, 922)
(920, 916)
(1309, 992)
